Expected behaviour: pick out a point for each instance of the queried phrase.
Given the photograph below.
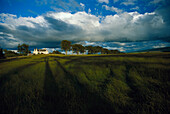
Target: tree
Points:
(24, 48)
(19, 48)
(93, 50)
(97, 49)
(90, 49)
(56, 52)
(75, 48)
(10, 53)
(105, 51)
(114, 51)
(5, 50)
(66, 45)
(78, 48)
(82, 49)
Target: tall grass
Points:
(130, 83)
(23, 92)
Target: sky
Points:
(126, 25)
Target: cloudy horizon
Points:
(130, 23)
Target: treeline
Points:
(98, 49)
(78, 48)
(55, 52)
(22, 49)
(65, 45)
(9, 53)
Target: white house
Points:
(40, 51)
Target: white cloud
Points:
(113, 9)
(81, 4)
(8, 40)
(115, 48)
(128, 26)
(47, 29)
(119, 43)
(81, 19)
(102, 1)
(87, 43)
(16, 51)
(5, 16)
(89, 10)
(156, 1)
(135, 8)
(161, 46)
(129, 2)
(115, 1)
(25, 21)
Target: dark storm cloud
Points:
(7, 37)
(129, 46)
(41, 36)
(23, 28)
(164, 11)
(61, 5)
(61, 26)
(4, 28)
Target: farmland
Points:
(127, 83)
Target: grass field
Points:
(128, 83)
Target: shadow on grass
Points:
(55, 98)
(8, 104)
(50, 91)
(6, 77)
(12, 59)
(90, 102)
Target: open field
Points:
(128, 83)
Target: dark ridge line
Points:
(12, 59)
(77, 61)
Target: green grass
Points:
(127, 83)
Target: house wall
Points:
(40, 52)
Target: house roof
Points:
(41, 50)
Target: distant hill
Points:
(165, 49)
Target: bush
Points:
(56, 52)
(1, 54)
(10, 54)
